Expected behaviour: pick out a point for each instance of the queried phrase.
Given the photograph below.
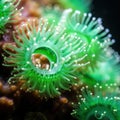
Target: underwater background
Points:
(108, 10)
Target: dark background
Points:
(109, 11)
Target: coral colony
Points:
(58, 50)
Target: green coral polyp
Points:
(59, 52)
(90, 30)
(7, 9)
(95, 106)
(107, 72)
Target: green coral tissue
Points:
(7, 11)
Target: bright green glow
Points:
(90, 31)
(52, 59)
(62, 52)
(107, 73)
(82, 5)
(97, 107)
(7, 9)
(51, 13)
(47, 52)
